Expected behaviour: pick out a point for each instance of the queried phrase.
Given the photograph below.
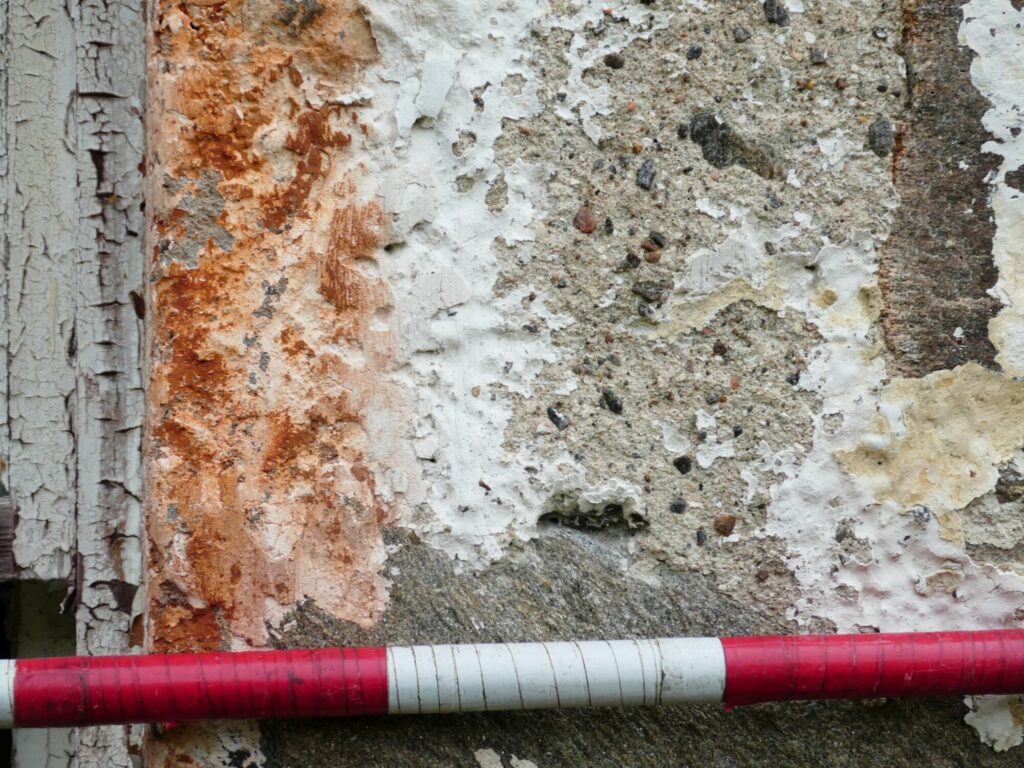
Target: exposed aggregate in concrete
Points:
(658, 294)
(724, 130)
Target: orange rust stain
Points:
(258, 486)
(287, 441)
(354, 236)
(313, 134)
(291, 341)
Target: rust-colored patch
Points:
(258, 489)
(313, 134)
(354, 236)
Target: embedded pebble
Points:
(683, 463)
(611, 401)
(645, 176)
(775, 12)
(724, 524)
(880, 137)
(558, 418)
(650, 292)
(585, 221)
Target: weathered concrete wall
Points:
(506, 321)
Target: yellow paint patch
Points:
(960, 425)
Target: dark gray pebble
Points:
(645, 176)
(880, 137)
(650, 292)
(775, 12)
(611, 401)
(559, 419)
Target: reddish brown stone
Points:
(585, 221)
(724, 524)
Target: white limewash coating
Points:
(463, 353)
(995, 32)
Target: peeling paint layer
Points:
(995, 32)
(449, 78)
(39, 194)
(452, 82)
(266, 341)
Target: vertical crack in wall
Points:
(936, 268)
(268, 332)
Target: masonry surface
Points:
(506, 321)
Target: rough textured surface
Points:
(617, 363)
(109, 320)
(265, 339)
(263, 331)
(71, 172)
(936, 267)
(570, 585)
(40, 198)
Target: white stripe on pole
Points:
(7, 693)
(468, 678)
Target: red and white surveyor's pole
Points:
(463, 678)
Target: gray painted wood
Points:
(71, 151)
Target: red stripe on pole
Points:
(205, 686)
(761, 669)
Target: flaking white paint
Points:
(39, 191)
(616, 29)
(451, 77)
(918, 576)
(995, 32)
(71, 193)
